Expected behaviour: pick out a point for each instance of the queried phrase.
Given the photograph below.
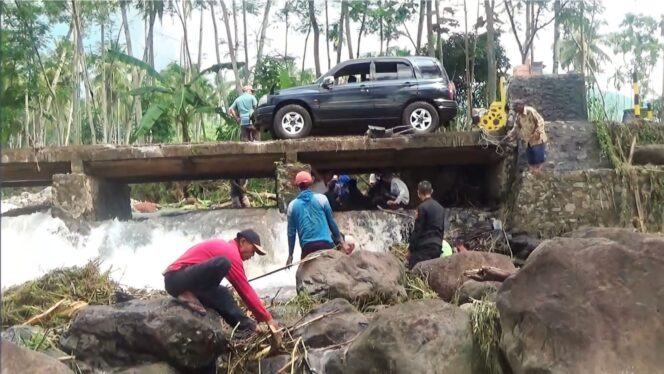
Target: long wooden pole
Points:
(306, 259)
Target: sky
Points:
(169, 33)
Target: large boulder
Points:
(424, 336)
(333, 323)
(19, 360)
(145, 331)
(591, 302)
(445, 274)
(360, 276)
(23, 335)
(474, 290)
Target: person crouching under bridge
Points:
(426, 240)
(193, 279)
(310, 218)
(529, 126)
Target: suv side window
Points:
(393, 70)
(429, 69)
(353, 73)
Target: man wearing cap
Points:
(242, 109)
(193, 279)
(310, 218)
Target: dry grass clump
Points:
(75, 285)
(485, 325)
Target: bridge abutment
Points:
(77, 196)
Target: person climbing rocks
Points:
(310, 219)
(426, 240)
(242, 109)
(194, 280)
(529, 127)
(400, 196)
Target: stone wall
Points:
(79, 197)
(552, 204)
(557, 97)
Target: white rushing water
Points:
(138, 250)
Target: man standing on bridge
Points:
(310, 217)
(529, 126)
(242, 109)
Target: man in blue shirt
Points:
(242, 109)
(310, 217)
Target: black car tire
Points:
(421, 116)
(299, 122)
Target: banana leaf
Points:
(148, 120)
(133, 61)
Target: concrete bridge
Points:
(99, 174)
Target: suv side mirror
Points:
(327, 82)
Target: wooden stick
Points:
(38, 318)
(306, 259)
(631, 150)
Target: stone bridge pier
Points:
(81, 197)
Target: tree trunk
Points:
(583, 40)
(439, 39)
(200, 43)
(359, 35)
(26, 120)
(104, 100)
(348, 39)
(304, 54)
(529, 21)
(261, 41)
(314, 26)
(153, 18)
(183, 19)
(286, 35)
(138, 111)
(61, 63)
(380, 26)
(420, 26)
(219, 77)
(76, 92)
(185, 129)
(430, 46)
(327, 36)
(556, 36)
(344, 8)
(89, 101)
(246, 43)
(469, 90)
(235, 26)
(490, 52)
(231, 50)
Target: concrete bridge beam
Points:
(77, 196)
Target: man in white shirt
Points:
(398, 191)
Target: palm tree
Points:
(150, 9)
(574, 47)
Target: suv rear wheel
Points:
(421, 116)
(292, 122)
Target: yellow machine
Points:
(496, 117)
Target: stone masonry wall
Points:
(552, 204)
(557, 97)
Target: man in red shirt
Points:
(195, 276)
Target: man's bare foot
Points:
(192, 302)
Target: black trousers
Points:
(203, 281)
(424, 252)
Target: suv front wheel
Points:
(421, 116)
(292, 122)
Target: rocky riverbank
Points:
(587, 302)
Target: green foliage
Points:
(638, 43)
(485, 325)
(580, 24)
(278, 73)
(455, 64)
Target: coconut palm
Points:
(571, 53)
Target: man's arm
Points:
(238, 278)
(332, 224)
(420, 220)
(291, 230)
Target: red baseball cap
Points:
(303, 177)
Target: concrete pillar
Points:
(78, 196)
(286, 189)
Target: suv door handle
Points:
(408, 84)
(364, 88)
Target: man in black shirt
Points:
(426, 240)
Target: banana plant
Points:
(171, 95)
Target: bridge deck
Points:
(151, 163)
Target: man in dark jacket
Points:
(426, 240)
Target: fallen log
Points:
(648, 154)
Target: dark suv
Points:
(381, 91)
